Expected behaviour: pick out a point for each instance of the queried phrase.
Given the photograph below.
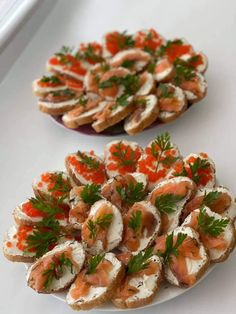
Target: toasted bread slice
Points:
(13, 245)
(180, 190)
(98, 238)
(185, 269)
(75, 118)
(56, 270)
(112, 114)
(97, 294)
(172, 102)
(57, 109)
(144, 115)
(53, 184)
(220, 246)
(111, 190)
(134, 59)
(46, 84)
(121, 157)
(27, 214)
(143, 286)
(219, 199)
(139, 238)
(85, 168)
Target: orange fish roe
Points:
(196, 61)
(95, 49)
(94, 175)
(151, 40)
(154, 167)
(69, 63)
(123, 158)
(21, 236)
(50, 84)
(50, 179)
(176, 50)
(205, 174)
(31, 211)
(116, 41)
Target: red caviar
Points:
(96, 49)
(21, 236)
(90, 174)
(114, 42)
(205, 174)
(153, 168)
(49, 84)
(151, 40)
(31, 211)
(70, 63)
(124, 165)
(176, 50)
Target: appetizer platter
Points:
(127, 83)
(117, 228)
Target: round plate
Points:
(111, 131)
(166, 293)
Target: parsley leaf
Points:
(128, 63)
(102, 222)
(140, 261)
(52, 79)
(61, 184)
(91, 193)
(165, 91)
(167, 203)
(132, 193)
(209, 224)
(125, 155)
(171, 248)
(211, 197)
(135, 221)
(91, 162)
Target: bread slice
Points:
(175, 105)
(224, 204)
(195, 267)
(113, 234)
(22, 218)
(74, 118)
(12, 248)
(138, 58)
(98, 295)
(148, 231)
(41, 91)
(182, 187)
(115, 114)
(228, 235)
(42, 186)
(57, 108)
(113, 164)
(147, 287)
(60, 256)
(79, 175)
(143, 116)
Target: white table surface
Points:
(31, 143)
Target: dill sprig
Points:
(93, 262)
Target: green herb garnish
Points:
(93, 262)
(61, 185)
(171, 248)
(167, 203)
(210, 197)
(56, 269)
(132, 193)
(91, 162)
(140, 261)
(125, 156)
(128, 63)
(52, 79)
(91, 193)
(209, 224)
(165, 92)
(102, 222)
(135, 221)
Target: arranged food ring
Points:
(115, 227)
(127, 83)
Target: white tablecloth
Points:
(31, 142)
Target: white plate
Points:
(166, 293)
